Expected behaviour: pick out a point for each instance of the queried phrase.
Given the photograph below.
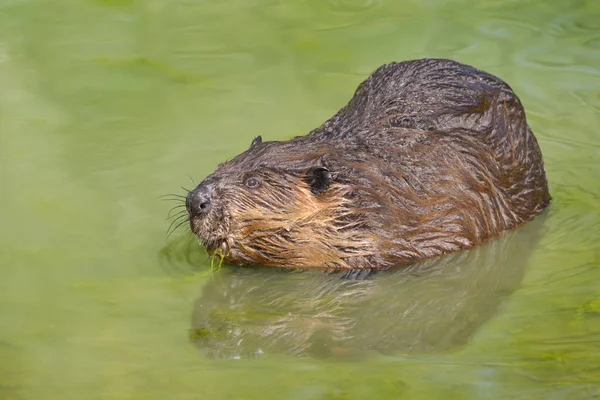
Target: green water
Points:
(106, 105)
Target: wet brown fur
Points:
(429, 157)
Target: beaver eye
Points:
(252, 182)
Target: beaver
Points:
(429, 157)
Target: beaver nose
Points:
(197, 201)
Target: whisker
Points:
(172, 195)
(181, 218)
(180, 212)
(192, 179)
(178, 215)
(177, 227)
(175, 200)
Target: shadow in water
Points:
(430, 307)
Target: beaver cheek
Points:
(202, 227)
(196, 226)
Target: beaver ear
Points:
(319, 179)
(256, 141)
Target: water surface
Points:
(106, 105)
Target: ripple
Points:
(507, 28)
(594, 42)
(577, 23)
(543, 58)
(4, 56)
(184, 256)
(585, 100)
(354, 5)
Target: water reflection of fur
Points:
(433, 306)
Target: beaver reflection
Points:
(429, 157)
(434, 306)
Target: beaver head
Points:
(280, 204)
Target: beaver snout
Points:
(198, 201)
